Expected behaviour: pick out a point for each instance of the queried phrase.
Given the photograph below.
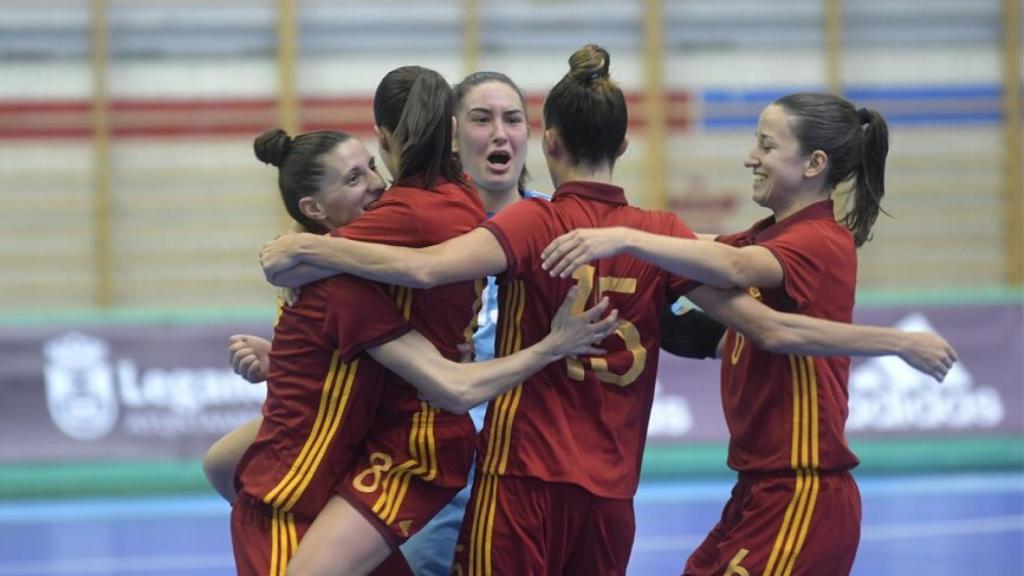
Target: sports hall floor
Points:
(934, 525)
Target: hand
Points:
(571, 250)
(250, 357)
(282, 253)
(579, 334)
(929, 353)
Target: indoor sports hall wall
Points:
(134, 208)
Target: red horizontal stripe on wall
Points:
(72, 119)
(36, 107)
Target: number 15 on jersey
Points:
(584, 276)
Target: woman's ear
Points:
(551, 143)
(309, 206)
(816, 164)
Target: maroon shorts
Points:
(407, 471)
(805, 524)
(265, 539)
(528, 526)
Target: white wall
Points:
(190, 214)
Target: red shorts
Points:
(784, 525)
(408, 470)
(309, 434)
(265, 539)
(528, 526)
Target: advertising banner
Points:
(164, 391)
(981, 395)
(119, 392)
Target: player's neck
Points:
(495, 201)
(798, 203)
(582, 173)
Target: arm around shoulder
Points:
(473, 255)
(712, 263)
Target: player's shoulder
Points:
(821, 228)
(530, 204)
(402, 192)
(657, 221)
(823, 239)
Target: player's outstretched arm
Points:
(711, 263)
(473, 255)
(796, 334)
(458, 387)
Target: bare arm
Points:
(299, 275)
(458, 387)
(473, 255)
(711, 263)
(784, 333)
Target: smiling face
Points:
(778, 163)
(492, 135)
(351, 183)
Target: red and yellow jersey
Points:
(409, 216)
(788, 412)
(580, 421)
(322, 393)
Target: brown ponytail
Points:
(415, 105)
(870, 183)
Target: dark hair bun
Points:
(589, 63)
(272, 146)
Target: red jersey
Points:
(584, 421)
(415, 217)
(788, 412)
(322, 393)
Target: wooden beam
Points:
(287, 41)
(654, 102)
(471, 36)
(287, 94)
(834, 46)
(102, 202)
(1013, 172)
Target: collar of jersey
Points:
(817, 211)
(593, 190)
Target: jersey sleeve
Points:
(359, 315)
(678, 285)
(738, 239)
(803, 251)
(523, 229)
(390, 221)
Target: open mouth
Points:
(499, 158)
